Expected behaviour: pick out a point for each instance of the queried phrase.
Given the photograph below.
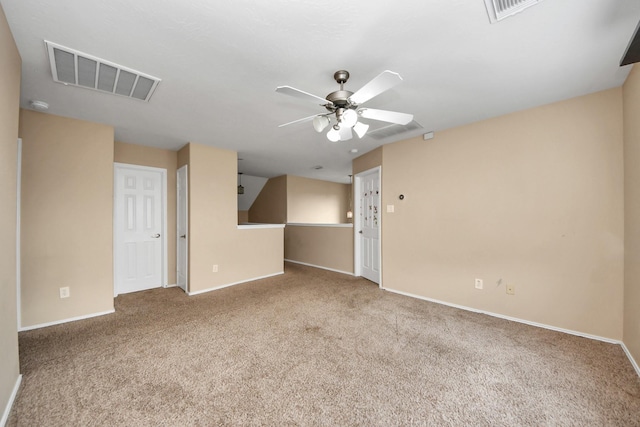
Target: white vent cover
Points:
(393, 130)
(72, 67)
(500, 9)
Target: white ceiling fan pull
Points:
(386, 116)
(297, 93)
(383, 82)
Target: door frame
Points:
(357, 249)
(117, 167)
(18, 235)
(186, 220)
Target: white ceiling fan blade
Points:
(345, 133)
(386, 116)
(297, 93)
(304, 119)
(384, 81)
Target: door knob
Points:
(155, 236)
(360, 231)
(184, 236)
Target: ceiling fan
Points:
(347, 107)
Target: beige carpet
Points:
(313, 347)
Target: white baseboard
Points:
(319, 266)
(232, 284)
(170, 286)
(72, 319)
(631, 359)
(12, 399)
(513, 319)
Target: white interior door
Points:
(139, 225)
(368, 225)
(182, 271)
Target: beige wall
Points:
(631, 94)
(157, 158)
(9, 108)
(313, 201)
(183, 156)
(322, 246)
(243, 217)
(270, 207)
(368, 161)
(295, 199)
(214, 237)
(534, 199)
(67, 217)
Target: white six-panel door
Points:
(368, 225)
(139, 228)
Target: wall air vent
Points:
(500, 9)
(71, 67)
(393, 130)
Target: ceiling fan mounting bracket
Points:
(341, 76)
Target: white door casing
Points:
(368, 221)
(139, 228)
(18, 232)
(182, 220)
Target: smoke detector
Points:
(39, 105)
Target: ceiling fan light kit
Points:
(347, 106)
(320, 123)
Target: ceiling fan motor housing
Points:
(339, 99)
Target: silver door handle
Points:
(184, 236)
(155, 236)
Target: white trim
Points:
(631, 359)
(18, 235)
(12, 399)
(513, 319)
(232, 284)
(252, 226)
(300, 224)
(170, 286)
(186, 224)
(319, 266)
(164, 257)
(72, 319)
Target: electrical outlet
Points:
(215, 268)
(65, 292)
(511, 289)
(478, 283)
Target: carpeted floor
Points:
(314, 347)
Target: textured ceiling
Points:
(221, 61)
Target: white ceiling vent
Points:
(393, 130)
(71, 67)
(500, 9)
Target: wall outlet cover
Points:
(65, 292)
